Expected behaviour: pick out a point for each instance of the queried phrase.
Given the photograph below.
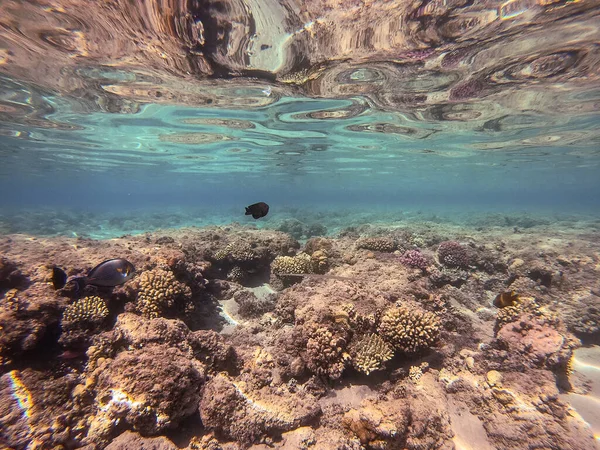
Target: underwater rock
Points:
(37, 407)
(150, 389)
(10, 275)
(251, 306)
(27, 321)
(130, 440)
(236, 411)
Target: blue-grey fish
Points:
(112, 272)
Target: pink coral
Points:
(414, 258)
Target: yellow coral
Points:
(370, 353)
(285, 265)
(409, 331)
(88, 310)
(158, 290)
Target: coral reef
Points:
(158, 291)
(378, 244)
(282, 371)
(370, 353)
(409, 331)
(453, 254)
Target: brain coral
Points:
(88, 311)
(284, 265)
(158, 290)
(409, 331)
(379, 244)
(326, 353)
(452, 254)
(370, 353)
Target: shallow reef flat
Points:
(372, 337)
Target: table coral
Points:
(370, 353)
(158, 290)
(409, 331)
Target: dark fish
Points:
(59, 278)
(258, 210)
(110, 273)
(506, 299)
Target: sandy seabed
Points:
(391, 340)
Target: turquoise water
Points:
(508, 126)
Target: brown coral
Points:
(370, 353)
(378, 244)
(326, 352)
(158, 291)
(409, 331)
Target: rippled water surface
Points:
(114, 104)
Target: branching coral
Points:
(326, 353)
(158, 291)
(414, 258)
(409, 331)
(86, 312)
(452, 254)
(285, 265)
(378, 244)
(370, 353)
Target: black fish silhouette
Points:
(59, 278)
(258, 210)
